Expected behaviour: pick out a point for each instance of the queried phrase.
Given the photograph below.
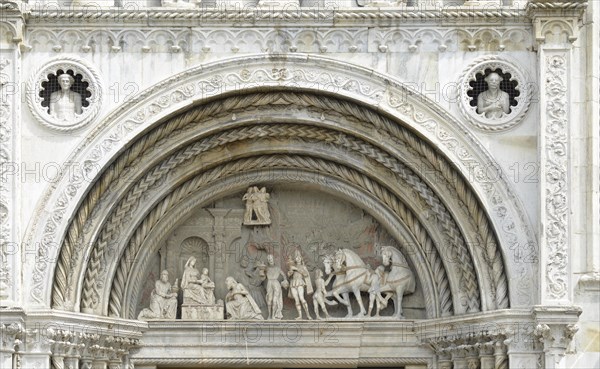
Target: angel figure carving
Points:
(257, 206)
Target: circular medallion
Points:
(65, 94)
(494, 94)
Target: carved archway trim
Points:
(95, 260)
(356, 83)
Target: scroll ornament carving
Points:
(6, 188)
(65, 111)
(485, 115)
(556, 196)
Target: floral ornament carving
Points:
(517, 112)
(78, 67)
(556, 199)
(7, 183)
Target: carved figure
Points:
(64, 103)
(257, 206)
(320, 293)
(299, 283)
(376, 280)
(400, 279)
(493, 102)
(197, 288)
(163, 301)
(239, 303)
(274, 295)
(250, 276)
(351, 275)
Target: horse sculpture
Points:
(400, 279)
(351, 275)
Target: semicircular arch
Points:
(363, 87)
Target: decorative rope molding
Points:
(266, 15)
(381, 122)
(259, 14)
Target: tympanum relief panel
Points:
(309, 231)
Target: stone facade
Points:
(461, 138)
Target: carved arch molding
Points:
(295, 145)
(217, 147)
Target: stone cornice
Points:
(549, 16)
(326, 16)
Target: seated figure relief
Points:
(197, 288)
(163, 300)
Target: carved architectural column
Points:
(472, 351)
(36, 351)
(555, 329)
(555, 31)
(9, 338)
(486, 354)
(217, 251)
(10, 114)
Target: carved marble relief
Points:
(66, 94)
(321, 257)
(257, 207)
(494, 94)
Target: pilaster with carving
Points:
(11, 34)
(555, 32)
(217, 250)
